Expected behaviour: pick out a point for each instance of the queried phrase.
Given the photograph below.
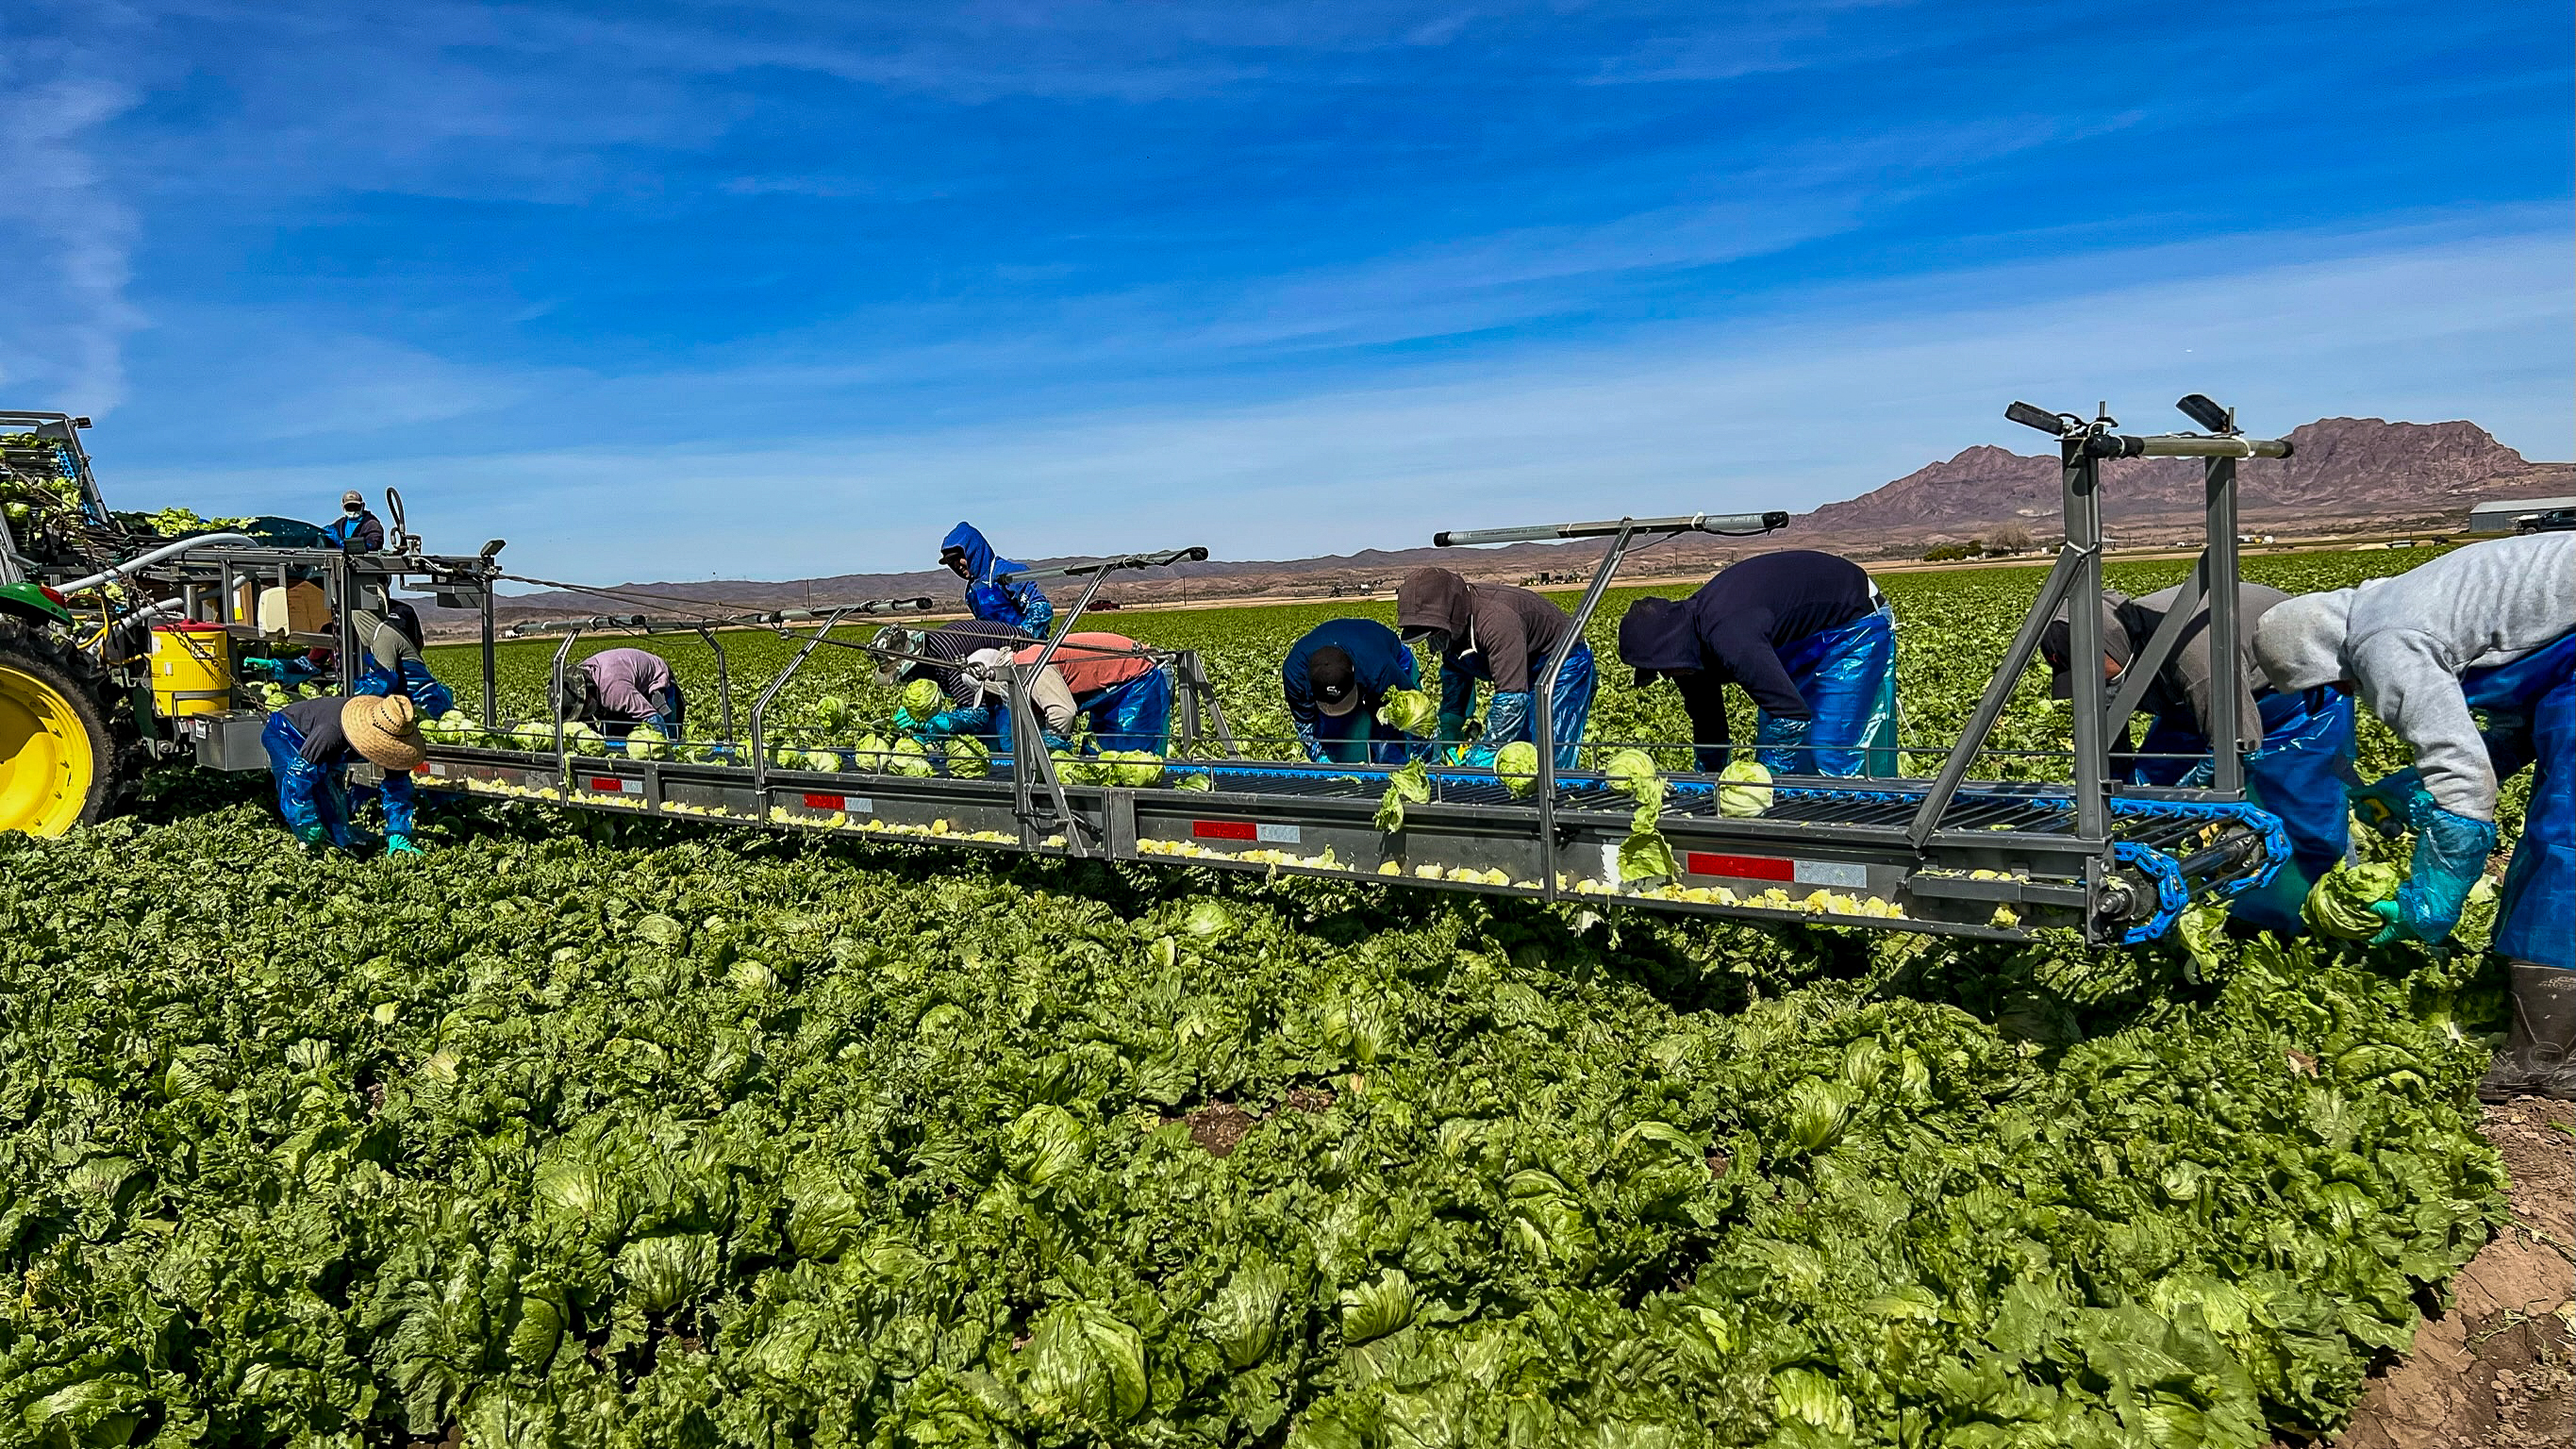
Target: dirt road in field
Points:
(2498, 1371)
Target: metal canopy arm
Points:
(1165, 559)
(650, 623)
(1731, 524)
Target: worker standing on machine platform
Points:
(2297, 744)
(941, 656)
(1807, 635)
(618, 689)
(2492, 628)
(1107, 681)
(1022, 605)
(1501, 635)
(1335, 679)
(356, 525)
(310, 741)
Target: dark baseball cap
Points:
(1332, 680)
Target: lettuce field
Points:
(591, 1132)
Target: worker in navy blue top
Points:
(1806, 635)
(355, 525)
(1336, 678)
(1020, 604)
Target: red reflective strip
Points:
(606, 782)
(824, 802)
(1742, 867)
(421, 769)
(1225, 830)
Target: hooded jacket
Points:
(1732, 630)
(2181, 690)
(1497, 632)
(2406, 641)
(1022, 605)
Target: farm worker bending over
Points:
(1502, 635)
(389, 656)
(311, 740)
(940, 656)
(2297, 744)
(2491, 627)
(618, 689)
(1105, 680)
(355, 525)
(1335, 679)
(1022, 605)
(1806, 634)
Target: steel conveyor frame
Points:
(1944, 854)
(1947, 854)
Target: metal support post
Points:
(760, 706)
(1543, 705)
(2081, 486)
(2226, 686)
(724, 680)
(554, 707)
(491, 672)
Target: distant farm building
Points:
(2502, 515)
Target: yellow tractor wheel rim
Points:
(45, 760)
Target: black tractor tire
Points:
(96, 710)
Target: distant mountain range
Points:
(2343, 475)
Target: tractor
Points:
(129, 640)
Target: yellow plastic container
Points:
(192, 669)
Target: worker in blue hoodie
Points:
(1806, 634)
(1022, 605)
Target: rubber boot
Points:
(2539, 1056)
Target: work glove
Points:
(400, 845)
(904, 723)
(311, 833)
(1776, 740)
(2450, 854)
(2388, 803)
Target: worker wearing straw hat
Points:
(312, 740)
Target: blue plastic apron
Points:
(1847, 676)
(2298, 774)
(2531, 714)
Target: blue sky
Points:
(770, 290)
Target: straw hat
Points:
(382, 729)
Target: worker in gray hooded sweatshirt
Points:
(2492, 628)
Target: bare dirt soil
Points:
(2498, 1370)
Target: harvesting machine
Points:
(116, 651)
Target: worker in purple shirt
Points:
(1806, 634)
(618, 689)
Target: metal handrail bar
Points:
(1725, 524)
(760, 706)
(1164, 559)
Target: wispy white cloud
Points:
(1777, 414)
(68, 244)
